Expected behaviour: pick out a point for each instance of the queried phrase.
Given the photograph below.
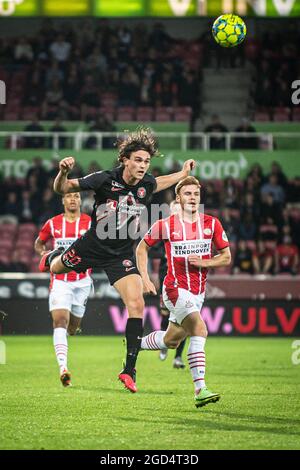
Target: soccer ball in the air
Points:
(229, 30)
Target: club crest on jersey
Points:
(141, 193)
(127, 263)
(82, 232)
(207, 231)
(224, 236)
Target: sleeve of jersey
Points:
(92, 181)
(45, 232)
(220, 238)
(154, 184)
(155, 234)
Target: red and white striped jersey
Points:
(63, 234)
(183, 239)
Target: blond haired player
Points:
(188, 237)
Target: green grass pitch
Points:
(259, 408)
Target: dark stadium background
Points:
(72, 83)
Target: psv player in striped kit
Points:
(68, 292)
(188, 238)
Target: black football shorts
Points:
(85, 253)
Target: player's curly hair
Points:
(142, 138)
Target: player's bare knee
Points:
(203, 331)
(60, 323)
(136, 307)
(171, 343)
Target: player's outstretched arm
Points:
(165, 182)
(221, 259)
(142, 263)
(61, 183)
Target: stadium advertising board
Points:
(257, 312)
(210, 165)
(223, 317)
(162, 8)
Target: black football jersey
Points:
(117, 208)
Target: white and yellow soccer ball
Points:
(229, 30)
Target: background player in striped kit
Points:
(68, 292)
(188, 238)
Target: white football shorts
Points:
(186, 304)
(72, 296)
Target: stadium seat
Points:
(11, 116)
(251, 245)
(108, 112)
(163, 114)
(24, 244)
(29, 113)
(213, 212)
(8, 228)
(182, 113)
(6, 244)
(5, 258)
(296, 114)
(29, 227)
(235, 213)
(281, 114)
(126, 113)
(144, 114)
(262, 116)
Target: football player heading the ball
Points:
(120, 196)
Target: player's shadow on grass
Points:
(120, 389)
(259, 419)
(213, 424)
(254, 374)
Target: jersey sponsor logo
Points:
(224, 236)
(105, 210)
(141, 193)
(207, 231)
(193, 247)
(115, 186)
(127, 263)
(64, 242)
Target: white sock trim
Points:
(154, 341)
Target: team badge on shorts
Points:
(127, 263)
(141, 193)
(189, 304)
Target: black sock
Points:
(54, 254)
(179, 350)
(134, 333)
(164, 322)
